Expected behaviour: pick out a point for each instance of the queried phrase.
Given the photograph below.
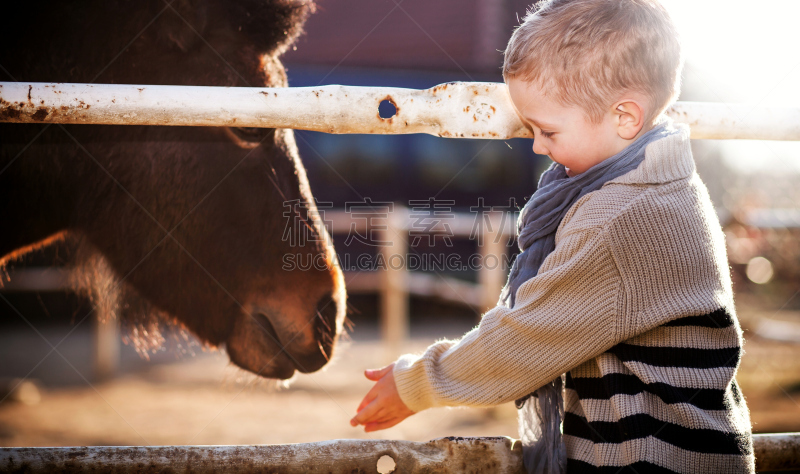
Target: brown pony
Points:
(192, 224)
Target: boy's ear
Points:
(629, 118)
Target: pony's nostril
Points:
(265, 325)
(314, 356)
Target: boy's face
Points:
(564, 133)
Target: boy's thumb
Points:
(377, 374)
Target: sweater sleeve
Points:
(565, 315)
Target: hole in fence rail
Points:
(387, 108)
(386, 464)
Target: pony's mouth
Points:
(270, 345)
(255, 346)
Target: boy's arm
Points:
(567, 314)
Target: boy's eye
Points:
(547, 134)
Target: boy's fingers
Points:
(377, 374)
(359, 419)
(370, 374)
(370, 413)
(368, 398)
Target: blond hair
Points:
(586, 53)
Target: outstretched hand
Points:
(382, 407)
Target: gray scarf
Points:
(542, 411)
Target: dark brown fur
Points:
(189, 221)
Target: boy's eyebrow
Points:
(539, 124)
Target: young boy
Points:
(623, 281)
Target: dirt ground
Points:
(203, 400)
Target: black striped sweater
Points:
(659, 393)
(635, 305)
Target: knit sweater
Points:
(635, 306)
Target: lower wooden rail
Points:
(774, 452)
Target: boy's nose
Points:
(539, 149)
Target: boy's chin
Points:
(570, 173)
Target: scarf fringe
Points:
(540, 419)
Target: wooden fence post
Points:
(492, 274)
(106, 347)
(394, 283)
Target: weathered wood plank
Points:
(445, 455)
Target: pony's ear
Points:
(270, 25)
(183, 23)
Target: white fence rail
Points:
(457, 110)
